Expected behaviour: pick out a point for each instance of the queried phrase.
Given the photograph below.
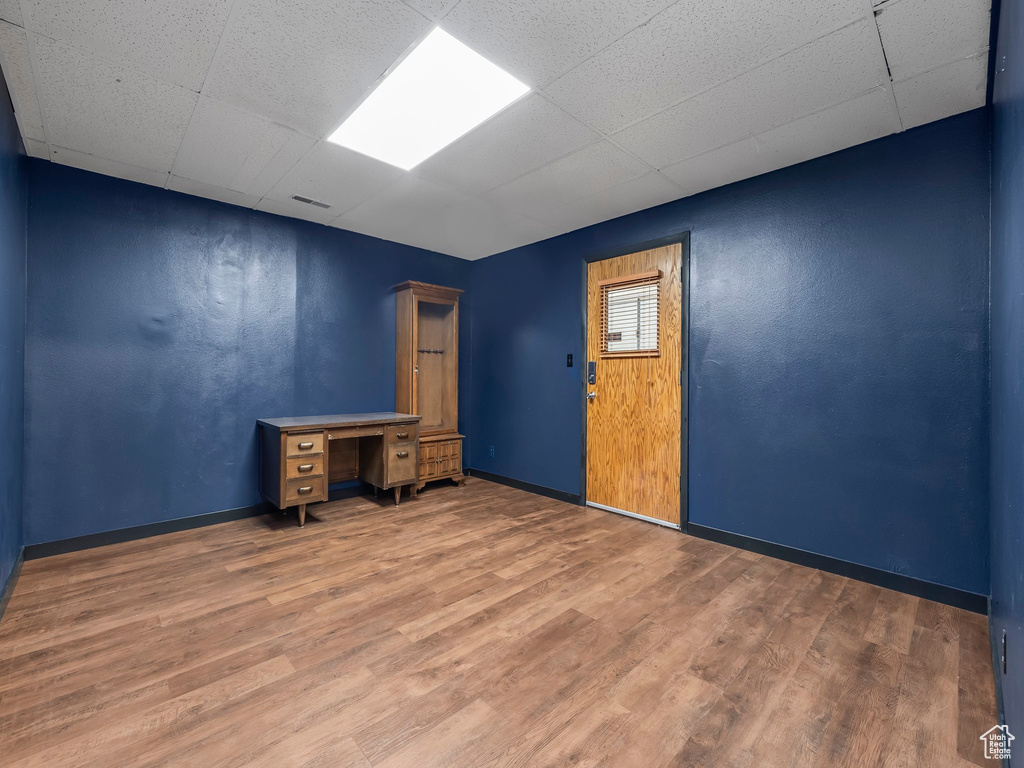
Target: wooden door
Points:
(634, 410)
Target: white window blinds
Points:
(629, 313)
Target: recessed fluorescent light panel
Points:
(440, 91)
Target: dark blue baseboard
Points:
(896, 581)
(12, 579)
(969, 601)
(89, 541)
(958, 598)
(50, 548)
(540, 490)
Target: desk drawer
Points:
(305, 466)
(298, 445)
(403, 432)
(401, 463)
(303, 490)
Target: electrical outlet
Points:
(490, 451)
(568, 360)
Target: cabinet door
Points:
(428, 460)
(442, 458)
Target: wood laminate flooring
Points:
(481, 626)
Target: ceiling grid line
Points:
(605, 130)
(26, 14)
(235, 4)
(610, 43)
(725, 81)
(872, 15)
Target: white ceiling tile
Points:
(921, 34)
(100, 76)
(28, 130)
(435, 9)
(828, 71)
(230, 147)
(211, 192)
(590, 170)
(686, 48)
(306, 63)
(537, 40)
(37, 149)
(524, 137)
(865, 118)
(173, 40)
(107, 167)
(296, 210)
(943, 92)
(10, 10)
(336, 176)
(733, 162)
(407, 205)
(417, 212)
(628, 197)
(17, 66)
(514, 232)
(108, 110)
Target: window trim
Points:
(638, 279)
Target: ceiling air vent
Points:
(317, 203)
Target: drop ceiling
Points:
(633, 102)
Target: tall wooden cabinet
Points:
(427, 375)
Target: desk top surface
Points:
(337, 420)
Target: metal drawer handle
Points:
(402, 435)
(305, 467)
(402, 454)
(305, 489)
(304, 446)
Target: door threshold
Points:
(645, 518)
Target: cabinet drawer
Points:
(303, 490)
(312, 442)
(305, 466)
(401, 463)
(402, 432)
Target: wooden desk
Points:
(300, 457)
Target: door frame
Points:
(683, 239)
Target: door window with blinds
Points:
(629, 316)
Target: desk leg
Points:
(302, 515)
(398, 494)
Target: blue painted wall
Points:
(1007, 518)
(161, 326)
(838, 386)
(13, 197)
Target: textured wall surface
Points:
(13, 197)
(161, 326)
(1007, 519)
(838, 388)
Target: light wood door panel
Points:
(634, 421)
